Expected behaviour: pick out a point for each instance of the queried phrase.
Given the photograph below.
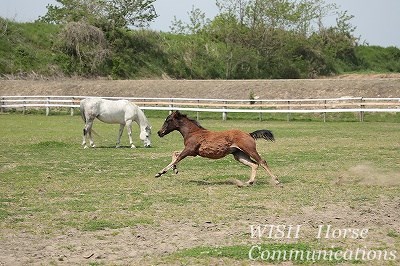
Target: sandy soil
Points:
(350, 85)
(145, 244)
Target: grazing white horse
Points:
(120, 112)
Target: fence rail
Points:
(359, 105)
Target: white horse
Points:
(120, 112)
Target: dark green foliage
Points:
(136, 54)
(376, 58)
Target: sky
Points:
(376, 21)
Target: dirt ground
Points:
(145, 245)
(382, 85)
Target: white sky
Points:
(377, 21)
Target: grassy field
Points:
(62, 204)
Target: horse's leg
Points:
(121, 130)
(176, 158)
(129, 129)
(254, 154)
(84, 137)
(245, 159)
(91, 142)
(175, 155)
(87, 130)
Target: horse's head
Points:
(171, 123)
(145, 136)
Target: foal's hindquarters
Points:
(244, 150)
(246, 159)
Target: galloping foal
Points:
(216, 145)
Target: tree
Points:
(197, 22)
(85, 45)
(104, 14)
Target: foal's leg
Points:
(175, 155)
(121, 130)
(254, 154)
(129, 129)
(246, 160)
(176, 158)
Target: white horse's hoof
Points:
(117, 146)
(93, 146)
(133, 147)
(85, 147)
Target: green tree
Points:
(102, 13)
(86, 47)
(197, 22)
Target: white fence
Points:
(289, 106)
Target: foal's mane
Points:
(193, 121)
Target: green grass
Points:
(49, 184)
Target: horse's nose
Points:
(160, 134)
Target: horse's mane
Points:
(193, 120)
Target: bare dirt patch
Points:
(148, 244)
(368, 174)
(348, 85)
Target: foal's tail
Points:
(263, 134)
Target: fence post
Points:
(324, 112)
(171, 105)
(288, 115)
(197, 114)
(362, 106)
(72, 108)
(24, 107)
(2, 104)
(224, 114)
(48, 107)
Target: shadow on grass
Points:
(121, 147)
(228, 181)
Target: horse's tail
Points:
(82, 109)
(263, 134)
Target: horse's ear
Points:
(177, 113)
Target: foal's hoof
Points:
(175, 169)
(249, 183)
(158, 175)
